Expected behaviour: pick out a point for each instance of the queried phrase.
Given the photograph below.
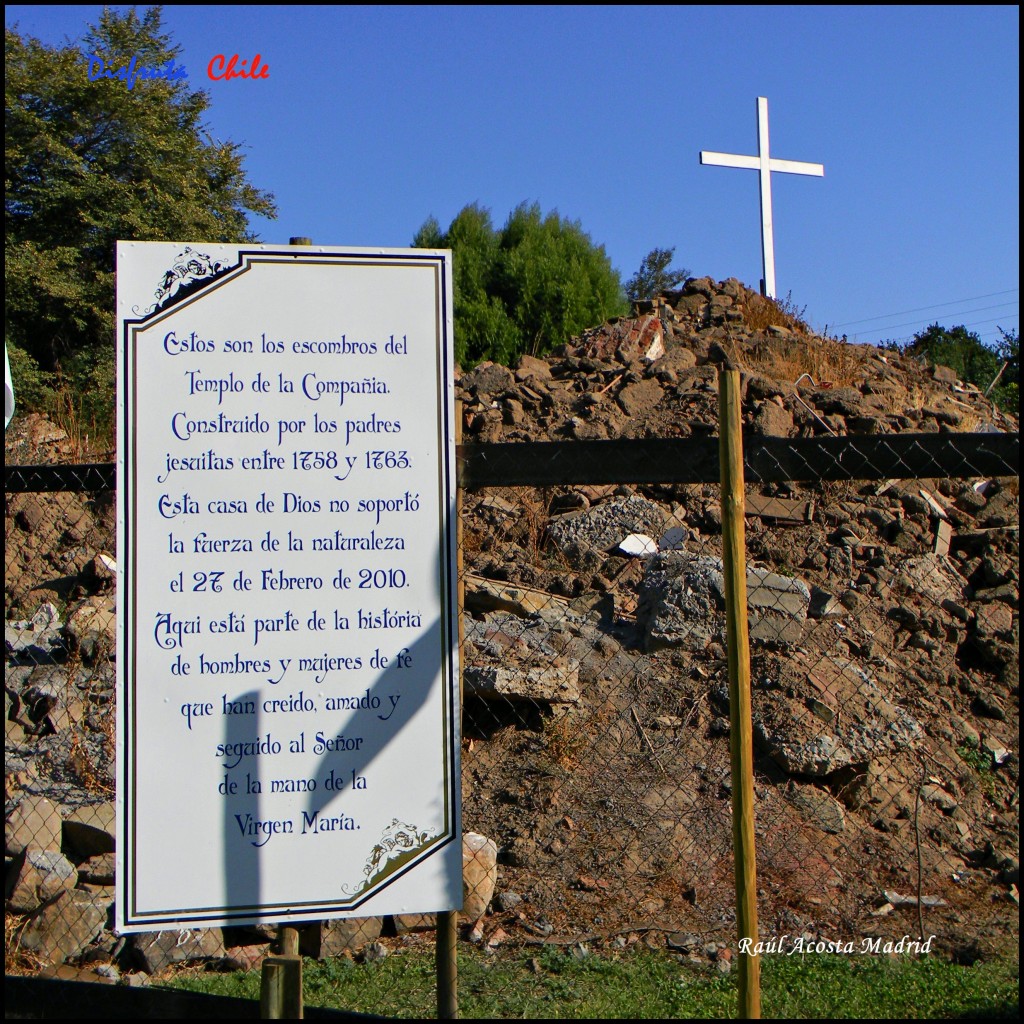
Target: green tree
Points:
(655, 276)
(91, 162)
(972, 361)
(483, 328)
(525, 288)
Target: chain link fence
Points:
(884, 638)
(59, 714)
(882, 582)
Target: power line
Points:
(910, 337)
(911, 323)
(920, 309)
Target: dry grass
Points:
(564, 741)
(533, 522)
(16, 959)
(969, 423)
(87, 441)
(569, 733)
(83, 767)
(824, 360)
(763, 312)
(524, 522)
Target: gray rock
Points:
(777, 606)
(63, 928)
(530, 366)
(1007, 593)
(670, 365)
(159, 950)
(31, 515)
(964, 731)
(773, 421)
(91, 829)
(44, 693)
(930, 576)
(508, 901)
(823, 604)
(486, 595)
(34, 824)
(518, 659)
(682, 601)
(92, 627)
(34, 637)
(936, 795)
(42, 875)
(674, 538)
(641, 398)
(332, 938)
(406, 923)
(868, 726)
(841, 402)
(604, 526)
(557, 684)
(819, 808)
(488, 379)
(98, 870)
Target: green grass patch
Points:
(981, 762)
(647, 985)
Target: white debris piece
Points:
(639, 544)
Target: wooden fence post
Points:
(741, 736)
(281, 988)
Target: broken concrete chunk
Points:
(517, 659)
(603, 526)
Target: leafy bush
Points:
(973, 361)
(33, 387)
(526, 288)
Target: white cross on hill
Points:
(764, 163)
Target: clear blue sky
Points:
(374, 118)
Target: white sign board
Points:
(287, 676)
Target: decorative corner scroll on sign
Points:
(190, 270)
(398, 843)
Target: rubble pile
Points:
(885, 646)
(883, 618)
(655, 375)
